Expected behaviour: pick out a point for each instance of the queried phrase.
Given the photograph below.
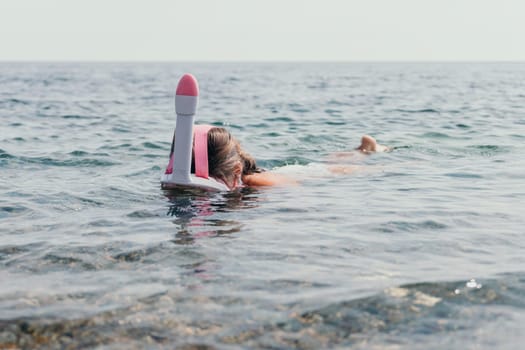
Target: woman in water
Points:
(230, 164)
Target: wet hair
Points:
(224, 153)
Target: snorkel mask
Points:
(178, 172)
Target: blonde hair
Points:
(224, 155)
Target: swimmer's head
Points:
(227, 161)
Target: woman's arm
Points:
(266, 179)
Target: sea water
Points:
(420, 247)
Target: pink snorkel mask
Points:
(178, 171)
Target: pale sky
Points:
(262, 30)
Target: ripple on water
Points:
(141, 214)
(423, 110)
(8, 252)
(407, 226)
(464, 175)
(279, 119)
(463, 126)
(78, 116)
(5, 155)
(121, 129)
(84, 162)
(152, 145)
(104, 223)
(13, 102)
(7, 211)
(78, 153)
(435, 135)
(113, 147)
(488, 150)
(51, 262)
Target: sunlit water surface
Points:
(421, 247)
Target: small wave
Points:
(103, 222)
(465, 175)
(152, 145)
(11, 251)
(462, 126)
(78, 116)
(257, 126)
(144, 171)
(436, 135)
(489, 149)
(80, 163)
(319, 85)
(271, 134)
(86, 162)
(292, 210)
(5, 155)
(278, 163)
(78, 153)
(230, 80)
(119, 129)
(69, 261)
(142, 214)
(279, 119)
(12, 210)
(338, 103)
(298, 108)
(406, 226)
(424, 110)
(15, 101)
(135, 255)
(113, 147)
(336, 123)
(301, 110)
(332, 111)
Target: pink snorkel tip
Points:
(188, 86)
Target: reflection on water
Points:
(194, 211)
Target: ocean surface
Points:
(422, 247)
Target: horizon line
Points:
(260, 61)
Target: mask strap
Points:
(200, 139)
(169, 168)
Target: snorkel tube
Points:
(178, 171)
